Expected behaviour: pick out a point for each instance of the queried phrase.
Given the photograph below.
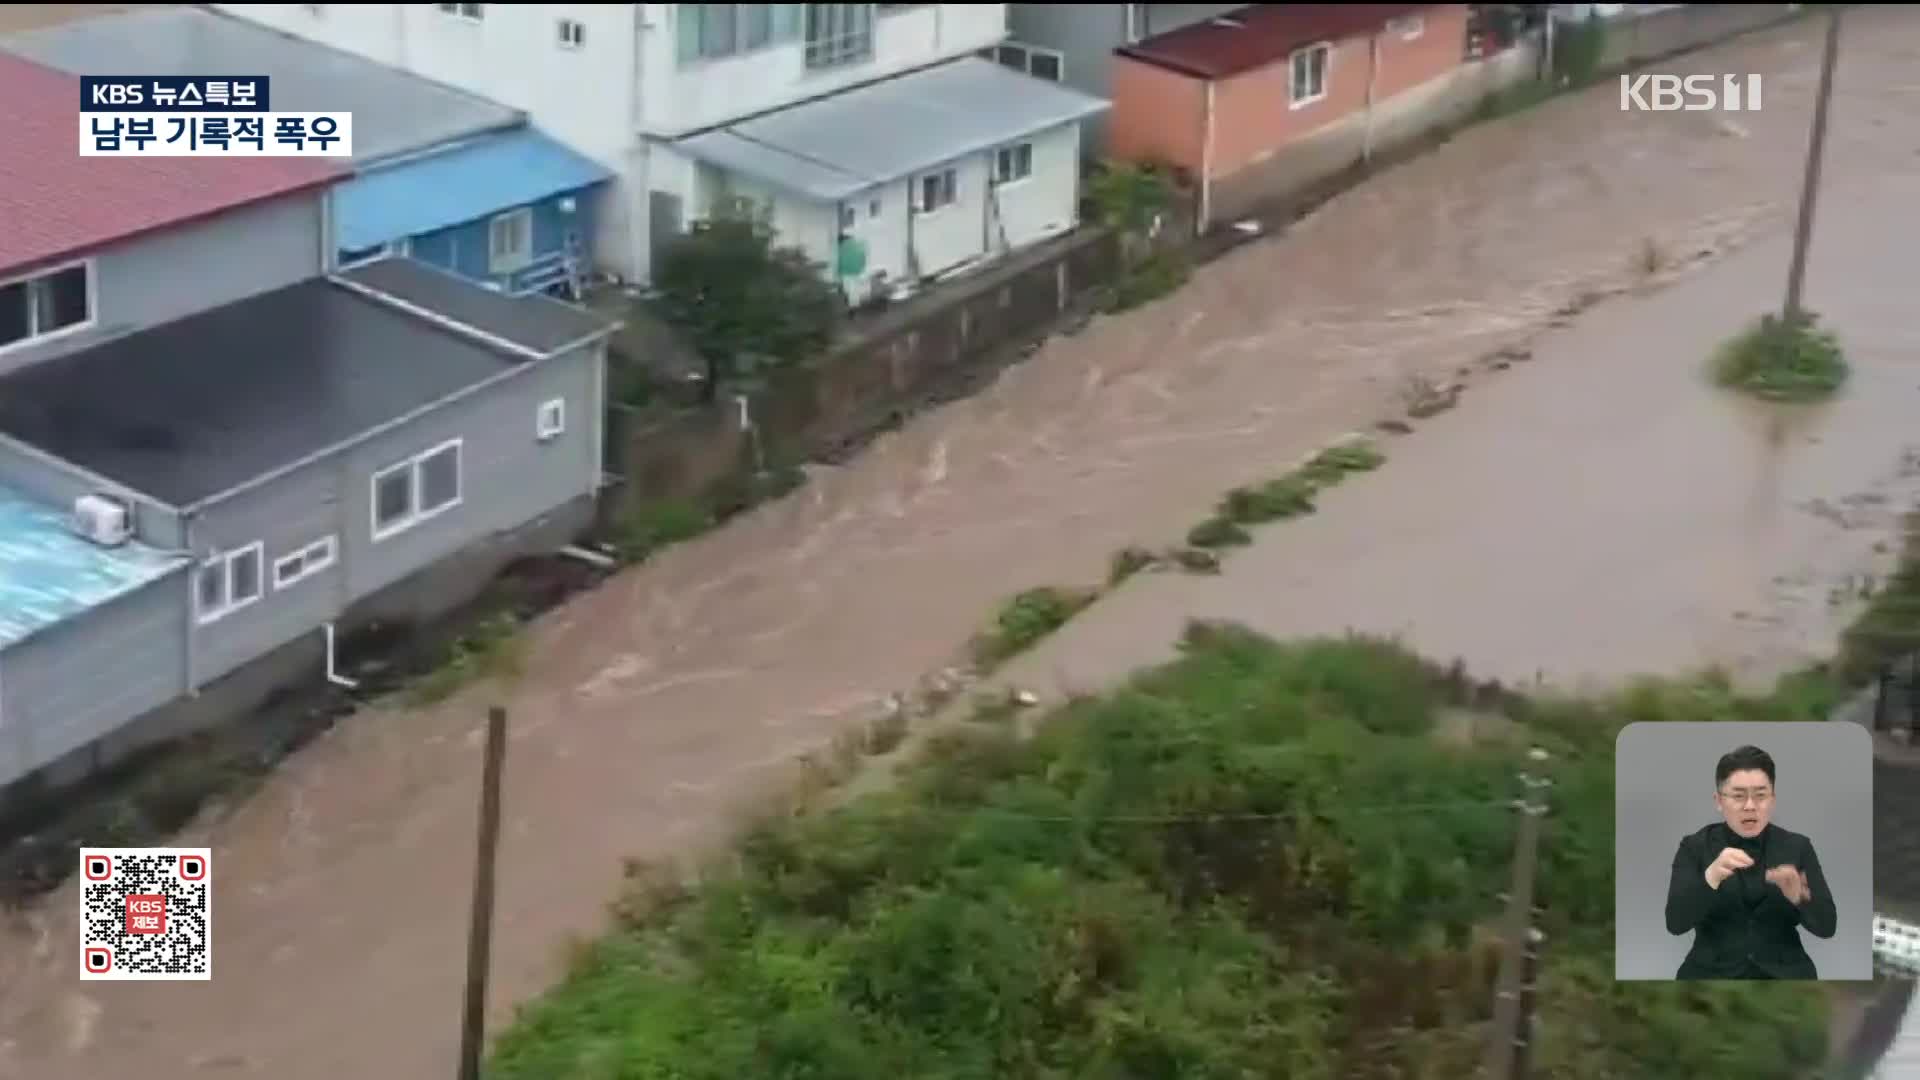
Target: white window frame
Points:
(1408, 27)
(414, 467)
(35, 337)
(949, 187)
(550, 419)
(1007, 50)
(572, 33)
(472, 13)
(1294, 100)
(306, 562)
(226, 560)
(1006, 160)
(835, 36)
(521, 221)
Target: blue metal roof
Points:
(465, 182)
(47, 574)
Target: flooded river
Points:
(1590, 512)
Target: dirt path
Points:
(679, 689)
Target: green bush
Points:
(1289, 496)
(1218, 532)
(1255, 861)
(1024, 620)
(1780, 359)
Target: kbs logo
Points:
(1694, 93)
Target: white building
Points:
(871, 133)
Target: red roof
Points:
(1265, 33)
(55, 203)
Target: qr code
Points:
(146, 913)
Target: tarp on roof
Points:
(470, 181)
(837, 146)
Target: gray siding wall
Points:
(1086, 34)
(176, 272)
(57, 484)
(81, 680)
(508, 477)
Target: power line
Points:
(1181, 819)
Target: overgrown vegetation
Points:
(1133, 201)
(743, 302)
(493, 648)
(1788, 359)
(1025, 619)
(1287, 496)
(1256, 861)
(1889, 628)
(1578, 49)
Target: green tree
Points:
(742, 300)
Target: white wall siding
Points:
(1045, 203)
(688, 96)
(955, 233)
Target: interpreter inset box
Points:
(1743, 850)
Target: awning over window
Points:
(840, 145)
(466, 182)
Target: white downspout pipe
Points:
(1206, 165)
(1373, 81)
(333, 672)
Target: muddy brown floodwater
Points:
(662, 701)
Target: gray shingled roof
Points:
(394, 113)
(191, 409)
(838, 145)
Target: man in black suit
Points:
(1745, 886)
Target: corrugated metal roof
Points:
(836, 146)
(393, 112)
(194, 412)
(1261, 34)
(47, 574)
(54, 203)
(471, 180)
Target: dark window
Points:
(15, 321)
(1045, 66)
(213, 587)
(440, 479)
(63, 299)
(244, 585)
(42, 305)
(392, 498)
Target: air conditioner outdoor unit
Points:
(102, 520)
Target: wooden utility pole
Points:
(1509, 1008)
(1810, 186)
(473, 1018)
